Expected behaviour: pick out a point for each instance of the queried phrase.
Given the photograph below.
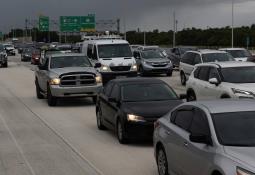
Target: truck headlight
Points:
(241, 171)
(105, 68)
(135, 118)
(55, 81)
(99, 79)
(134, 67)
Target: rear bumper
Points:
(83, 91)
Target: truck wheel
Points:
(5, 64)
(38, 91)
(121, 135)
(52, 101)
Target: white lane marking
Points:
(18, 146)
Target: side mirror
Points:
(97, 65)
(214, 81)
(183, 96)
(201, 139)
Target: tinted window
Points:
(203, 73)
(217, 57)
(197, 59)
(94, 55)
(114, 51)
(115, 92)
(235, 129)
(89, 51)
(188, 58)
(196, 72)
(239, 53)
(147, 92)
(199, 125)
(108, 89)
(238, 74)
(69, 61)
(183, 119)
(214, 73)
(148, 54)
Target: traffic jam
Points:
(209, 129)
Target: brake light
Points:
(156, 124)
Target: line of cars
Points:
(193, 138)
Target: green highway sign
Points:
(77, 23)
(44, 23)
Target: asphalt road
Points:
(39, 140)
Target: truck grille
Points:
(120, 68)
(77, 80)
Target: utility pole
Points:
(26, 22)
(125, 32)
(118, 26)
(174, 29)
(232, 24)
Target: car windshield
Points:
(235, 129)
(238, 74)
(147, 92)
(239, 53)
(149, 54)
(217, 57)
(69, 61)
(114, 51)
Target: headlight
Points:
(105, 68)
(36, 58)
(241, 171)
(242, 92)
(134, 67)
(55, 81)
(135, 118)
(98, 79)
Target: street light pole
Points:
(174, 31)
(232, 23)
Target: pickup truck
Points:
(67, 75)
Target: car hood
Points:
(244, 154)
(151, 109)
(66, 70)
(121, 61)
(157, 60)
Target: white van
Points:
(115, 56)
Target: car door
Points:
(197, 158)
(177, 138)
(42, 74)
(201, 90)
(213, 91)
(189, 66)
(114, 105)
(103, 101)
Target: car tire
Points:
(183, 79)
(100, 125)
(191, 96)
(52, 101)
(121, 135)
(162, 161)
(38, 91)
(5, 65)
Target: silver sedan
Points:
(207, 138)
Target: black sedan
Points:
(131, 106)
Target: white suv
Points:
(239, 54)
(222, 80)
(191, 58)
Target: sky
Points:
(143, 14)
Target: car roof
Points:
(136, 80)
(228, 64)
(107, 41)
(225, 106)
(66, 54)
(232, 49)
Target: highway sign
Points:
(44, 23)
(77, 23)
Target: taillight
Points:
(156, 124)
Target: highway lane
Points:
(73, 124)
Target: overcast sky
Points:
(143, 14)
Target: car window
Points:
(94, 55)
(115, 92)
(203, 73)
(196, 72)
(183, 119)
(197, 59)
(214, 73)
(89, 51)
(108, 89)
(188, 58)
(199, 125)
